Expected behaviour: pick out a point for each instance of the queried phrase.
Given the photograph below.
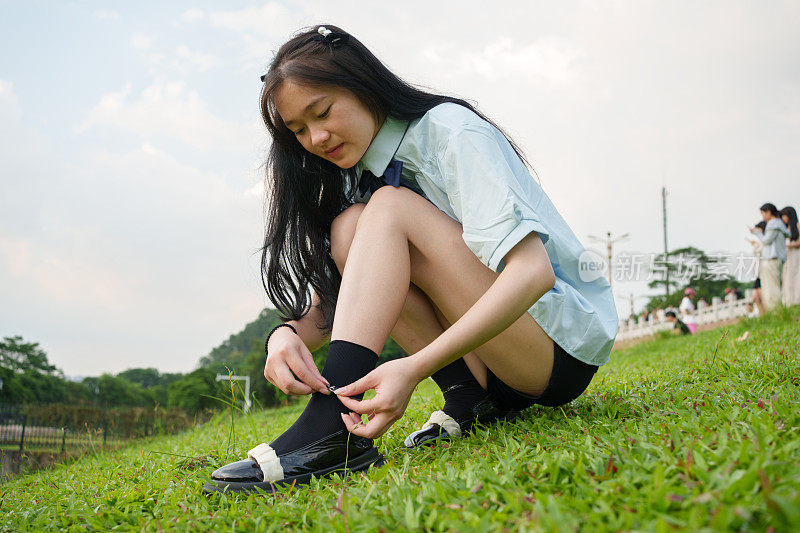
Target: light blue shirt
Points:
(774, 240)
(467, 168)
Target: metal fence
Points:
(21, 430)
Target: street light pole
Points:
(666, 258)
(609, 241)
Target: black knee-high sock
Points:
(346, 363)
(460, 389)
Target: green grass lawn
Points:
(680, 433)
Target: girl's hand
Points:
(393, 381)
(290, 366)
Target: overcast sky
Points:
(130, 188)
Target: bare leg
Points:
(759, 302)
(420, 321)
(402, 238)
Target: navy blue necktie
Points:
(370, 182)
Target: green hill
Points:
(232, 352)
(682, 433)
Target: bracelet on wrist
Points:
(266, 342)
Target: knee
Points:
(343, 228)
(389, 203)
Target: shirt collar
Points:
(384, 146)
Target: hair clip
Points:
(334, 39)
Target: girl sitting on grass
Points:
(398, 212)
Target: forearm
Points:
(768, 236)
(514, 291)
(307, 328)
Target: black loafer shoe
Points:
(441, 427)
(265, 471)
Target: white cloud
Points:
(149, 149)
(543, 60)
(16, 253)
(261, 30)
(156, 60)
(264, 19)
(65, 279)
(141, 41)
(192, 15)
(104, 14)
(169, 109)
(190, 60)
(116, 244)
(9, 104)
(258, 190)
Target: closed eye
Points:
(324, 114)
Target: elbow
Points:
(549, 279)
(543, 281)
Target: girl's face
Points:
(785, 219)
(328, 121)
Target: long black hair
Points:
(307, 191)
(770, 208)
(790, 212)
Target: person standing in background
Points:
(730, 296)
(687, 309)
(773, 255)
(757, 247)
(790, 292)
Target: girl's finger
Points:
(375, 427)
(287, 383)
(309, 361)
(304, 374)
(357, 387)
(361, 407)
(351, 421)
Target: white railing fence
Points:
(718, 311)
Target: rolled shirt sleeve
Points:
(477, 164)
(769, 236)
(466, 167)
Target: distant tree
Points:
(169, 378)
(691, 267)
(19, 356)
(155, 384)
(196, 391)
(27, 376)
(146, 377)
(113, 391)
(78, 393)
